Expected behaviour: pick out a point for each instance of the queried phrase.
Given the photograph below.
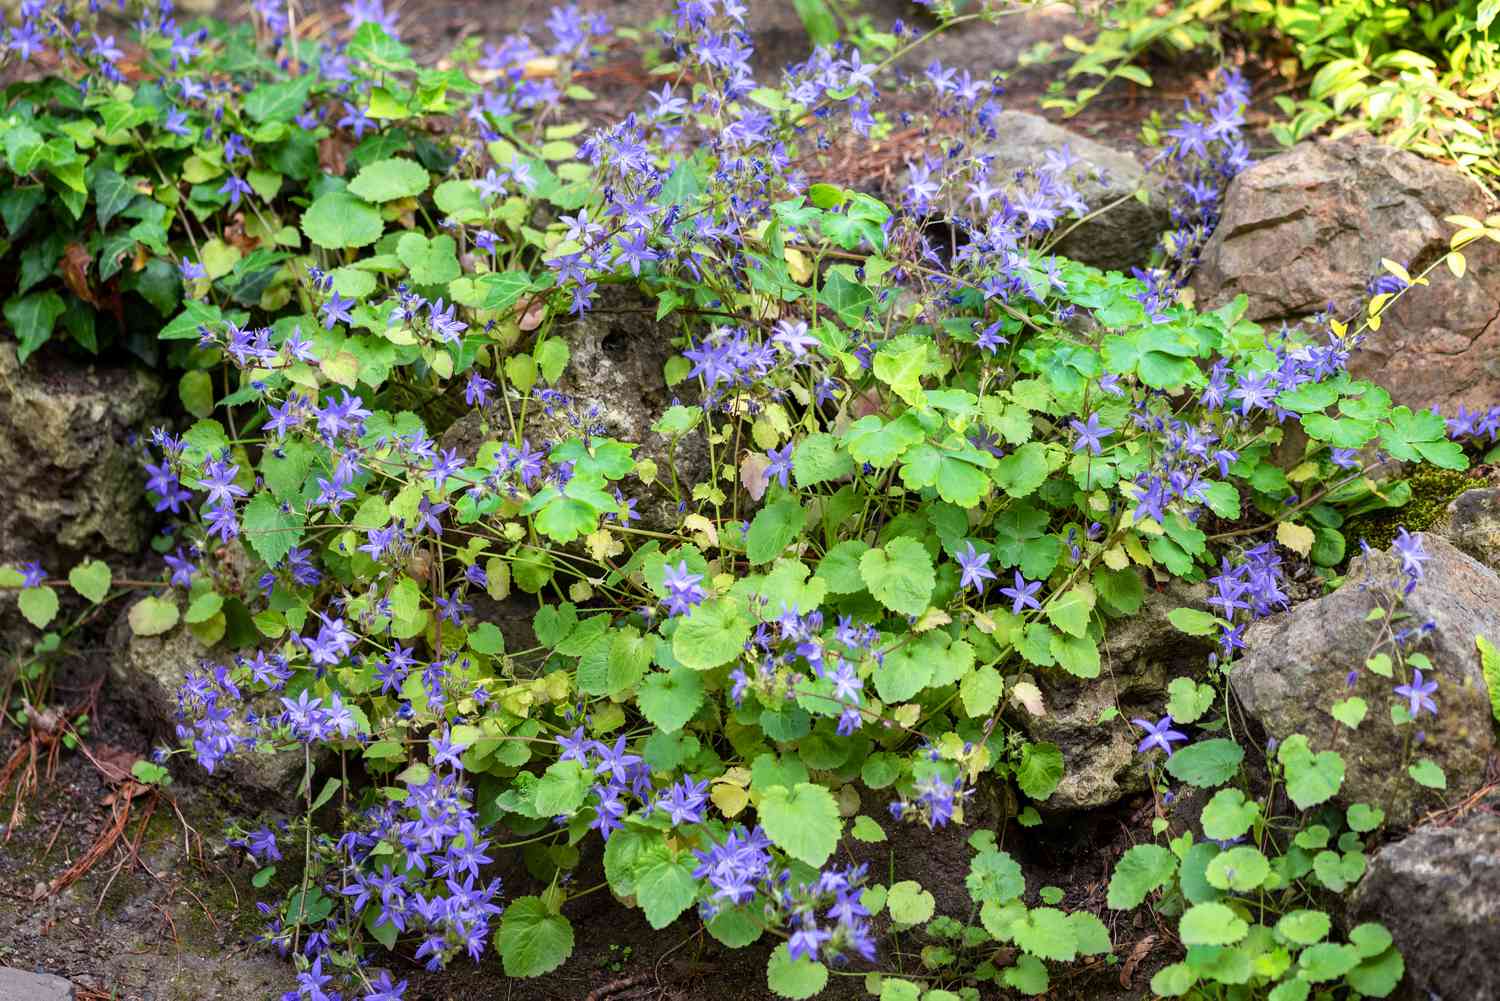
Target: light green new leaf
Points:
(562, 789)
(430, 261)
(802, 821)
(664, 885)
(713, 633)
(338, 220)
(1193, 622)
(532, 939)
(1141, 869)
(1489, 662)
(900, 576)
(269, 530)
(1206, 763)
(1424, 771)
(1047, 934)
(388, 180)
(819, 458)
(795, 978)
(91, 579)
(1304, 927)
(1229, 815)
(994, 878)
(1211, 924)
(773, 529)
(1040, 770)
(668, 701)
(38, 605)
(1070, 611)
(1310, 778)
(1188, 699)
(909, 904)
(152, 616)
(196, 391)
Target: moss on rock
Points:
(1432, 489)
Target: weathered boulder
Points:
(1472, 523)
(1438, 892)
(148, 671)
(73, 484)
(1309, 226)
(23, 986)
(1297, 663)
(614, 380)
(1119, 239)
(1141, 655)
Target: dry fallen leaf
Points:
(114, 763)
(1138, 953)
(75, 269)
(535, 313)
(753, 474)
(333, 155)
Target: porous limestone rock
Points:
(1297, 664)
(1308, 228)
(1438, 893)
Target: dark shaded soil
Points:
(166, 912)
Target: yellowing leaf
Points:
(797, 266)
(1029, 696)
(1297, 538)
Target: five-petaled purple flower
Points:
(1159, 734)
(974, 572)
(1418, 694)
(1023, 595)
(336, 310)
(1091, 435)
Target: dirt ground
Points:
(165, 913)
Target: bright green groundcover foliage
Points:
(903, 479)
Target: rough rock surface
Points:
(614, 378)
(1309, 226)
(1119, 239)
(149, 670)
(1296, 664)
(1472, 523)
(18, 985)
(72, 484)
(1141, 654)
(1438, 892)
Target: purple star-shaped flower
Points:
(336, 310)
(1023, 595)
(1159, 734)
(1091, 435)
(1418, 694)
(974, 572)
(447, 750)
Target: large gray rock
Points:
(1296, 665)
(18, 985)
(1119, 239)
(73, 484)
(1141, 655)
(148, 672)
(1438, 892)
(1309, 226)
(1472, 523)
